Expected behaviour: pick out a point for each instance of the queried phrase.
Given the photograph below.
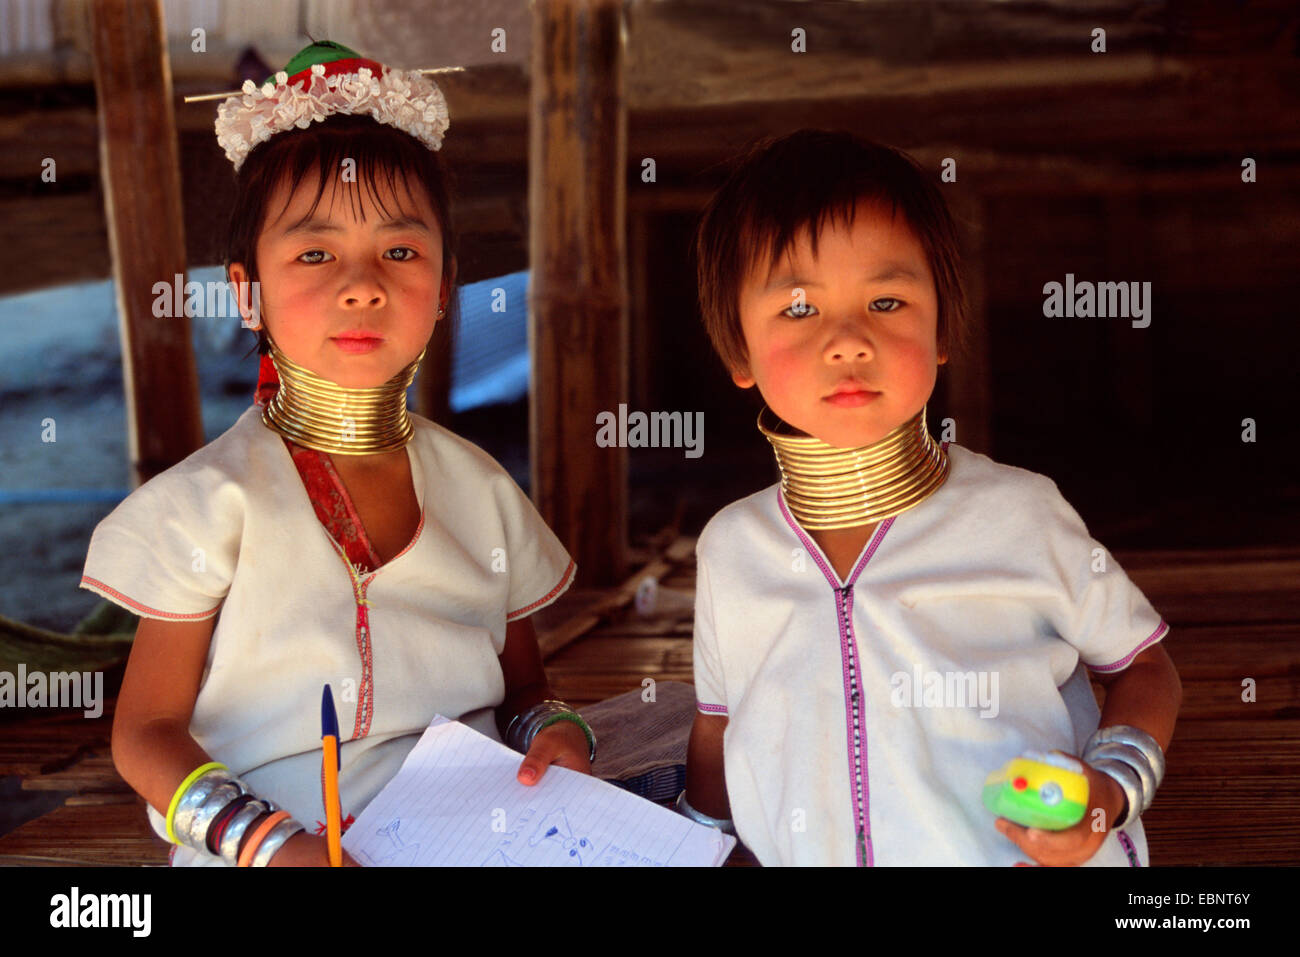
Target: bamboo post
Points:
(578, 308)
(142, 203)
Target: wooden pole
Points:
(142, 203)
(578, 308)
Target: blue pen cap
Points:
(329, 719)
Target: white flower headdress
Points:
(345, 83)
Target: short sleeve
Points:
(168, 551)
(710, 692)
(1094, 606)
(540, 568)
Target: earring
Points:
(441, 311)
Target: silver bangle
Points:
(238, 827)
(1134, 738)
(541, 713)
(275, 840)
(524, 727)
(1129, 783)
(196, 836)
(1134, 759)
(518, 726)
(195, 796)
(699, 817)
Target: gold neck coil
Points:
(828, 488)
(320, 414)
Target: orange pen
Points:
(329, 736)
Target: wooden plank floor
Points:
(1231, 795)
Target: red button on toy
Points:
(1020, 784)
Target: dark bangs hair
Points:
(779, 186)
(382, 153)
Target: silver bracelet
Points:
(196, 836)
(524, 727)
(516, 727)
(1129, 782)
(195, 796)
(699, 817)
(1136, 748)
(275, 840)
(238, 827)
(1136, 760)
(1135, 738)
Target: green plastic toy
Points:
(1047, 791)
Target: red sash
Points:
(329, 496)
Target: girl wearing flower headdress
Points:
(329, 536)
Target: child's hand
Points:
(1076, 844)
(561, 743)
(307, 850)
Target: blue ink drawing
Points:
(556, 837)
(400, 855)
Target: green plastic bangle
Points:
(193, 776)
(576, 719)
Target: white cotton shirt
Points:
(231, 531)
(992, 578)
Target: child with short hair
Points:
(329, 536)
(896, 618)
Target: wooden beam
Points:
(578, 308)
(142, 200)
(689, 51)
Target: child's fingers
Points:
(1031, 840)
(1052, 848)
(554, 745)
(532, 768)
(1017, 834)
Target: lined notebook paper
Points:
(455, 802)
